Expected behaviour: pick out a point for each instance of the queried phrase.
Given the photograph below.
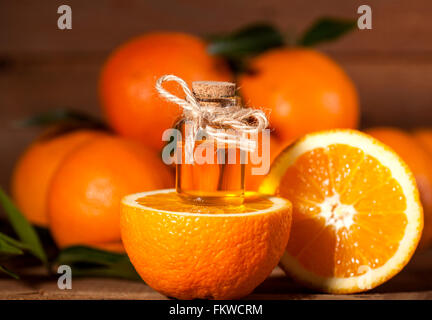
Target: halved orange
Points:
(188, 251)
(357, 217)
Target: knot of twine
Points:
(242, 120)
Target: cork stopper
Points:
(213, 90)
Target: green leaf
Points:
(86, 261)
(123, 271)
(89, 255)
(7, 248)
(326, 29)
(22, 227)
(61, 115)
(250, 40)
(12, 241)
(246, 42)
(8, 272)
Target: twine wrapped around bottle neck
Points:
(217, 121)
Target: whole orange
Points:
(418, 160)
(127, 84)
(424, 136)
(85, 192)
(36, 166)
(305, 91)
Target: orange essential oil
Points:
(210, 172)
(212, 141)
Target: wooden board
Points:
(414, 282)
(30, 27)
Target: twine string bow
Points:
(215, 121)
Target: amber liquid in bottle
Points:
(218, 180)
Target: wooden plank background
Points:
(42, 67)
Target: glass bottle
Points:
(210, 172)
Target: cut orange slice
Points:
(357, 217)
(187, 251)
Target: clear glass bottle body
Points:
(208, 172)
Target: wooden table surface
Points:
(414, 282)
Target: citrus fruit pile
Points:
(73, 184)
